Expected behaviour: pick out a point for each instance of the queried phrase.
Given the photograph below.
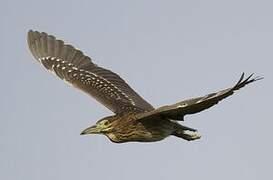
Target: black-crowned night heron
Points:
(135, 119)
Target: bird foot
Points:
(191, 135)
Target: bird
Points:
(134, 119)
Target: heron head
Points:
(102, 126)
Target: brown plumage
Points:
(135, 119)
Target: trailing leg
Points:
(186, 133)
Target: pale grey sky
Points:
(167, 51)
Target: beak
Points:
(91, 130)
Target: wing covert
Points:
(71, 65)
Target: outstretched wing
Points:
(179, 110)
(74, 67)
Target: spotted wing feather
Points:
(71, 65)
(179, 110)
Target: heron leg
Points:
(186, 133)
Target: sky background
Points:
(167, 51)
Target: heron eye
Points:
(106, 122)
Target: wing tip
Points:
(242, 82)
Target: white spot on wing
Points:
(182, 105)
(112, 89)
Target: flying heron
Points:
(135, 119)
